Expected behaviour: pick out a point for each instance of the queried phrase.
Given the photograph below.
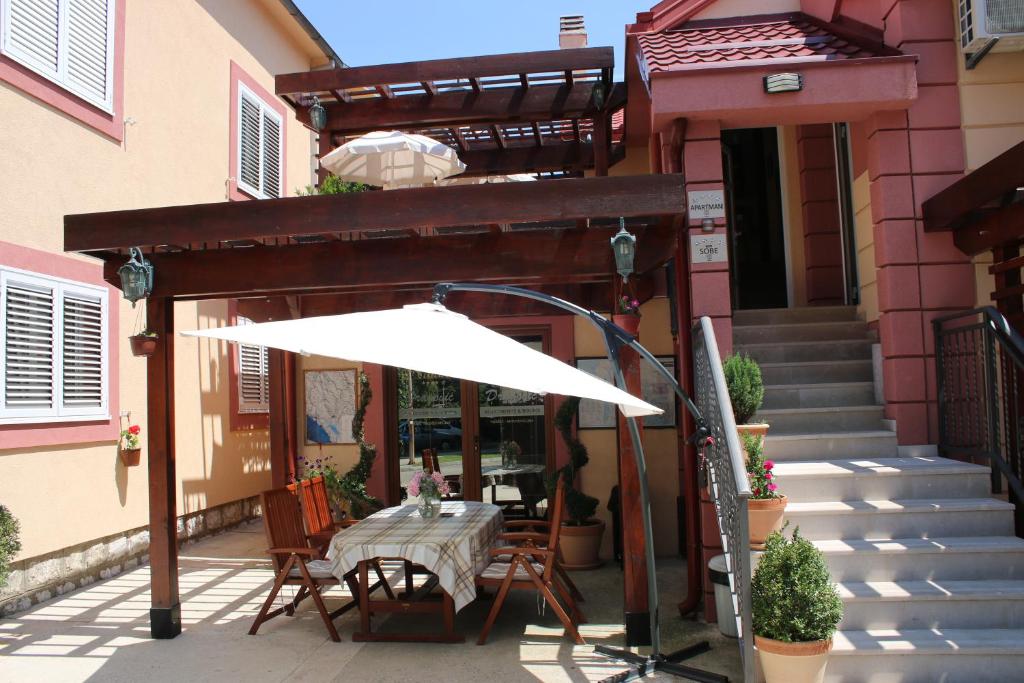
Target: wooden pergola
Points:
(543, 112)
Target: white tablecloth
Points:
(455, 548)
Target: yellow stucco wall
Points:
(177, 89)
(793, 215)
(864, 238)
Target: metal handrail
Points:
(979, 367)
(729, 488)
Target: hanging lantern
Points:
(136, 277)
(624, 248)
(317, 114)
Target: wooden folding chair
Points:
(321, 525)
(431, 464)
(531, 568)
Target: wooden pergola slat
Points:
(543, 200)
(965, 199)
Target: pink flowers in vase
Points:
(427, 484)
(759, 471)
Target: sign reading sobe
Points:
(706, 204)
(707, 249)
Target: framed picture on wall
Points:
(596, 414)
(330, 400)
(659, 392)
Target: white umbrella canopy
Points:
(488, 179)
(392, 159)
(430, 338)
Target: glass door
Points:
(430, 428)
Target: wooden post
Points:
(282, 428)
(324, 148)
(165, 610)
(601, 142)
(637, 607)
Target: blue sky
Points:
(385, 31)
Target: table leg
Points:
(448, 608)
(364, 596)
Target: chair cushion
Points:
(318, 569)
(499, 570)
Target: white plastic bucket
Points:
(723, 596)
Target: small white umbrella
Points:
(391, 159)
(444, 343)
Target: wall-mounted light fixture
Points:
(317, 114)
(785, 82)
(707, 225)
(136, 277)
(624, 248)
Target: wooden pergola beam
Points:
(964, 200)
(429, 207)
(525, 258)
(545, 61)
(996, 228)
(539, 103)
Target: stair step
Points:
(776, 316)
(926, 655)
(899, 519)
(827, 419)
(932, 604)
(900, 559)
(821, 395)
(796, 351)
(831, 445)
(881, 478)
(825, 331)
(817, 372)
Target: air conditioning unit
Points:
(981, 21)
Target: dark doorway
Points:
(754, 204)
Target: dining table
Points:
(451, 548)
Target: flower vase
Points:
(429, 506)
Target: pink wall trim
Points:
(239, 75)
(48, 92)
(62, 433)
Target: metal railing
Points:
(979, 364)
(727, 477)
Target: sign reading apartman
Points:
(706, 204)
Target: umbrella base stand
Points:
(641, 666)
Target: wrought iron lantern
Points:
(624, 248)
(317, 114)
(136, 277)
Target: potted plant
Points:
(796, 609)
(130, 446)
(746, 393)
(628, 315)
(9, 543)
(766, 505)
(581, 534)
(143, 343)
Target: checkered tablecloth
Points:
(455, 548)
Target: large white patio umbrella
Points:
(430, 338)
(392, 159)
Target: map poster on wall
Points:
(659, 392)
(596, 414)
(330, 406)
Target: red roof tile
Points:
(791, 37)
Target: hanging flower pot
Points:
(130, 446)
(130, 457)
(630, 322)
(143, 344)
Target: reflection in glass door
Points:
(430, 417)
(513, 452)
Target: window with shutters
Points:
(69, 42)
(53, 349)
(259, 146)
(253, 376)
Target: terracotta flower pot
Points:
(793, 662)
(130, 456)
(758, 430)
(630, 322)
(579, 545)
(142, 345)
(764, 516)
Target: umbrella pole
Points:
(615, 338)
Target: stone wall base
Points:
(37, 579)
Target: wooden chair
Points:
(431, 464)
(321, 525)
(531, 567)
(295, 562)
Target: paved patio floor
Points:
(100, 633)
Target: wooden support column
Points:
(324, 148)
(601, 142)
(637, 607)
(165, 610)
(282, 417)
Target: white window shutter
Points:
(29, 375)
(90, 48)
(253, 376)
(82, 353)
(271, 155)
(249, 144)
(31, 34)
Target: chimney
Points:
(572, 33)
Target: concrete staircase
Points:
(927, 563)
